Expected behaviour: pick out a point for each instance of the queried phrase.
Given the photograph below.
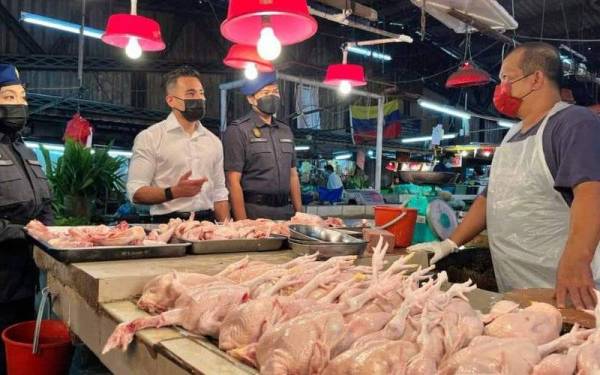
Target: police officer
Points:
(24, 195)
(260, 160)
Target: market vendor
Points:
(24, 196)
(260, 160)
(542, 206)
(177, 164)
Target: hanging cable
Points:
(453, 67)
(543, 19)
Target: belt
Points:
(272, 200)
(208, 215)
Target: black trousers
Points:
(255, 211)
(11, 313)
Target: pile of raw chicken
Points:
(99, 235)
(123, 234)
(332, 317)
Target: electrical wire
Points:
(543, 19)
(425, 78)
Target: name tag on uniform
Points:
(34, 162)
(255, 140)
(286, 140)
(6, 162)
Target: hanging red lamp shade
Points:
(468, 75)
(240, 55)
(122, 27)
(351, 73)
(289, 20)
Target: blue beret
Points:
(251, 87)
(9, 75)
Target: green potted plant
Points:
(79, 175)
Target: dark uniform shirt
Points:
(264, 154)
(24, 195)
(571, 148)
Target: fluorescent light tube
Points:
(426, 139)
(506, 124)
(57, 24)
(302, 148)
(368, 53)
(343, 156)
(444, 109)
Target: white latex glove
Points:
(440, 250)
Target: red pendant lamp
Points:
(468, 75)
(268, 24)
(245, 57)
(134, 33)
(289, 20)
(345, 75)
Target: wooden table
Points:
(92, 298)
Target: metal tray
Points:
(235, 246)
(104, 253)
(328, 250)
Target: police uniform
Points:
(24, 195)
(264, 154)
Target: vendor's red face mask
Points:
(504, 102)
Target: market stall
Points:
(92, 298)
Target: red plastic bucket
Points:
(404, 229)
(54, 357)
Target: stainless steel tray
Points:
(104, 253)
(235, 246)
(328, 250)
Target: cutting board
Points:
(570, 315)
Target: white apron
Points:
(527, 219)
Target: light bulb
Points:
(268, 47)
(345, 87)
(133, 49)
(250, 72)
(464, 154)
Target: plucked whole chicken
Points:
(335, 318)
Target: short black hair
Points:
(170, 79)
(329, 168)
(541, 56)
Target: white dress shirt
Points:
(334, 181)
(164, 152)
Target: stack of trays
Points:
(309, 239)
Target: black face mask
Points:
(13, 117)
(268, 104)
(195, 109)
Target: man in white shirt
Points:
(177, 164)
(333, 181)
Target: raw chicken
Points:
(40, 231)
(540, 322)
(100, 235)
(200, 310)
(510, 355)
(379, 357)
(588, 358)
(300, 345)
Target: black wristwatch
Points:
(168, 194)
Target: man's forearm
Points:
(149, 195)
(584, 231)
(236, 196)
(222, 210)
(473, 223)
(295, 192)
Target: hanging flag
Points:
(363, 121)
